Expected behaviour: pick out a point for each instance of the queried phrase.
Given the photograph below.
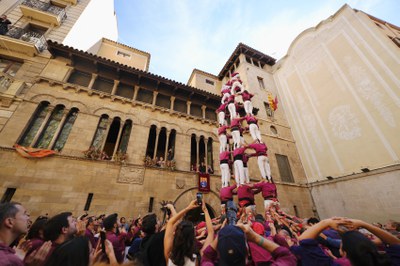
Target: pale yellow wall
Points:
(135, 59)
(6, 5)
(338, 84)
(198, 80)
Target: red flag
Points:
(275, 103)
(28, 152)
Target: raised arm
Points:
(316, 229)
(383, 235)
(209, 226)
(169, 231)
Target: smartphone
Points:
(199, 197)
(103, 240)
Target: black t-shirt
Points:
(153, 248)
(4, 26)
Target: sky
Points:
(182, 35)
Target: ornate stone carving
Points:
(131, 175)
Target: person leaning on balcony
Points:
(4, 24)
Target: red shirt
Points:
(245, 191)
(222, 130)
(246, 96)
(251, 119)
(8, 257)
(267, 189)
(260, 148)
(224, 155)
(239, 151)
(226, 193)
(236, 122)
(221, 108)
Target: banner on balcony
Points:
(28, 152)
(204, 183)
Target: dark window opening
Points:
(211, 114)
(123, 54)
(193, 153)
(248, 60)
(100, 132)
(261, 83)
(268, 109)
(284, 168)
(9, 67)
(171, 145)
(151, 203)
(151, 142)
(202, 150)
(163, 101)
(195, 110)
(210, 82)
(124, 90)
(145, 96)
(162, 142)
(180, 106)
(103, 84)
(8, 194)
(37, 29)
(210, 158)
(88, 202)
(80, 78)
(112, 136)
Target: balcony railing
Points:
(35, 38)
(46, 12)
(23, 41)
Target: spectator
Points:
(202, 168)
(13, 223)
(4, 24)
(210, 170)
(90, 231)
(118, 241)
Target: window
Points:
(273, 130)
(195, 110)
(100, 132)
(49, 128)
(80, 78)
(255, 62)
(37, 29)
(163, 101)
(248, 60)
(9, 67)
(145, 96)
(124, 90)
(210, 82)
(284, 168)
(261, 83)
(180, 106)
(7, 196)
(103, 84)
(88, 202)
(268, 110)
(201, 151)
(123, 54)
(160, 143)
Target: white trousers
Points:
(255, 132)
(221, 118)
(232, 110)
(236, 138)
(246, 174)
(248, 107)
(225, 97)
(225, 174)
(263, 164)
(239, 172)
(223, 143)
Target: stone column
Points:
(44, 123)
(182, 152)
(58, 130)
(68, 74)
(94, 76)
(135, 92)
(172, 103)
(156, 144)
(197, 151)
(167, 133)
(121, 127)
(206, 153)
(203, 111)
(114, 89)
(188, 107)
(154, 97)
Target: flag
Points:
(28, 152)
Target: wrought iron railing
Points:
(47, 7)
(29, 36)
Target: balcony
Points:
(23, 41)
(43, 11)
(9, 89)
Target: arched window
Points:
(193, 153)
(50, 128)
(126, 132)
(210, 159)
(66, 129)
(151, 142)
(99, 135)
(202, 150)
(162, 139)
(34, 124)
(112, 137)
(171, 145)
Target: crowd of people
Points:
(239, 236)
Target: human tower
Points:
(231, 91)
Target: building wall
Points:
(124, 55)
(371, 196)
(96, 21)
(198, 79)
(338, 83)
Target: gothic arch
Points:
(159, 124)
(44, 97)
(211, 198)
(202, 133)
(113, 113)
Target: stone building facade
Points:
(104, 101)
